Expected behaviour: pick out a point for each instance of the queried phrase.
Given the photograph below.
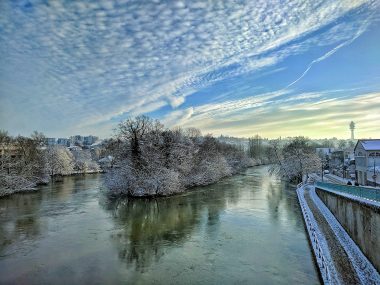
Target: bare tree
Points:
(135, 131)
(296, 159)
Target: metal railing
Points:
(371, 194)
(318, 249)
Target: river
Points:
(246, 229)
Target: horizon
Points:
(289, 69)
(203, 134)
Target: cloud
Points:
(319, 114)
(80, 63)
(178, 118)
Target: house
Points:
(367, 162)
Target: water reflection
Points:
(23, 216)
(18, 221)
(148, 227)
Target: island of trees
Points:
(154, 161)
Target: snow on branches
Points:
(295, 159)
(153, 161)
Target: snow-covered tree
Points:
(21, 163)
(84, 161)
(59, 160)
(296, 159)
(154, 161)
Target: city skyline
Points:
(275, 69)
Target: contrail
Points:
(328, 54)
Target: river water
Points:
(246, 229)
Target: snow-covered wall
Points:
(360, 219)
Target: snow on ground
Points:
(335, 178)
(318, 242)
(364, 269)
(331, 178)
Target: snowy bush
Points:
(208, 171)
(14, 183)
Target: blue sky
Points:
(277, 68)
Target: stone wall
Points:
(360, 219)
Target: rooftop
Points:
(373, 144)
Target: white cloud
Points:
(300, 114)
(89, 62)
(178, 118)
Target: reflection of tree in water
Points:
(20, 214)
(150, 227)
(18, 221)
(292, 206)
(274, 196)
(282, 194)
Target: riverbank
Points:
(14, 182)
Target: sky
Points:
(238, 68)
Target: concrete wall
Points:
(359, 219)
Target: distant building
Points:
(89, 140)
(367, 162)
(77, 140)
(63, 142)
(50, 141)
(83, 140)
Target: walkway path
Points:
(331, 178)
(346, 263)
